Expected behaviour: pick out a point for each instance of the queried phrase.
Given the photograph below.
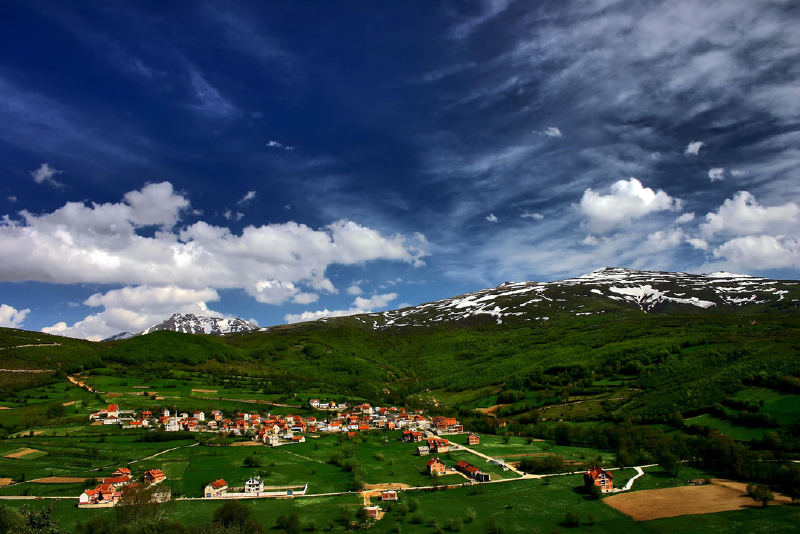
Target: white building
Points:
(254, 485)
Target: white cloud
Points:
(589, 240)
(354, 290)
(698, 243)
(693, 148)
(553, 131)
(135, 308)
(716, 174)
(743, 215)
(492, 218)
(250, 195)
(628, 200)
(736, 172)
(305, 298)
(155, 204)
(12, 199)
(531, 215)
(685, 218)
(360, 305)
(46, 174)
(233, 215)
(761, 252)
(666, 238)
(10, 317)
(79, 243)
(277, 144)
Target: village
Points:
(434, 436)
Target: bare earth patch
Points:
(21, 453)
(204, 390)
(246, 444)
(6, 481)
(68, 403)
(719, 496)
(4, 408)
(140, 387)
(491, 410)
(386, 485)
(113, 394)
(59, 480)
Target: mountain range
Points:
(606, 290)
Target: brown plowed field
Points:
(719, 496)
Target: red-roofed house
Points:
(154, 476)
(597, 476)
(216, 489)
(436, 467)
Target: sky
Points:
(285, 161)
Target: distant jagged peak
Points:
(189, 323)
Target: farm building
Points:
(373, 512)
(389, 495)
(473, 439)
(436, 467)
(216, 489)
(472, 472)
(423, 450)
(597, 476)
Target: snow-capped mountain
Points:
(120, 336)
(610, 289)
(189, 323)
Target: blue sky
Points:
(282, 161)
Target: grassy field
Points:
(726, 428)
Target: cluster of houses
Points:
(253, 488)
(109, 491)
(275, 430)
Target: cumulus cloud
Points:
(716, 174)
(492, 218)
(135, 308)
(628, 200)
(99, 243)
(354, 290)
(45, 174)
(553, 131)
(693, 148)
(685, 218)
(666, 238)
(360, 305)
(744, 215)
(761, 252)
(305, 298)
(531, 215)
(10, 317)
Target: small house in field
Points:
(154, 476)
(423, 450)
(113, 410)
(389, 495)
(254, 485)
(597, 476)
(473, 439)
(436, 467)
(373, 512)
(216, 489)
